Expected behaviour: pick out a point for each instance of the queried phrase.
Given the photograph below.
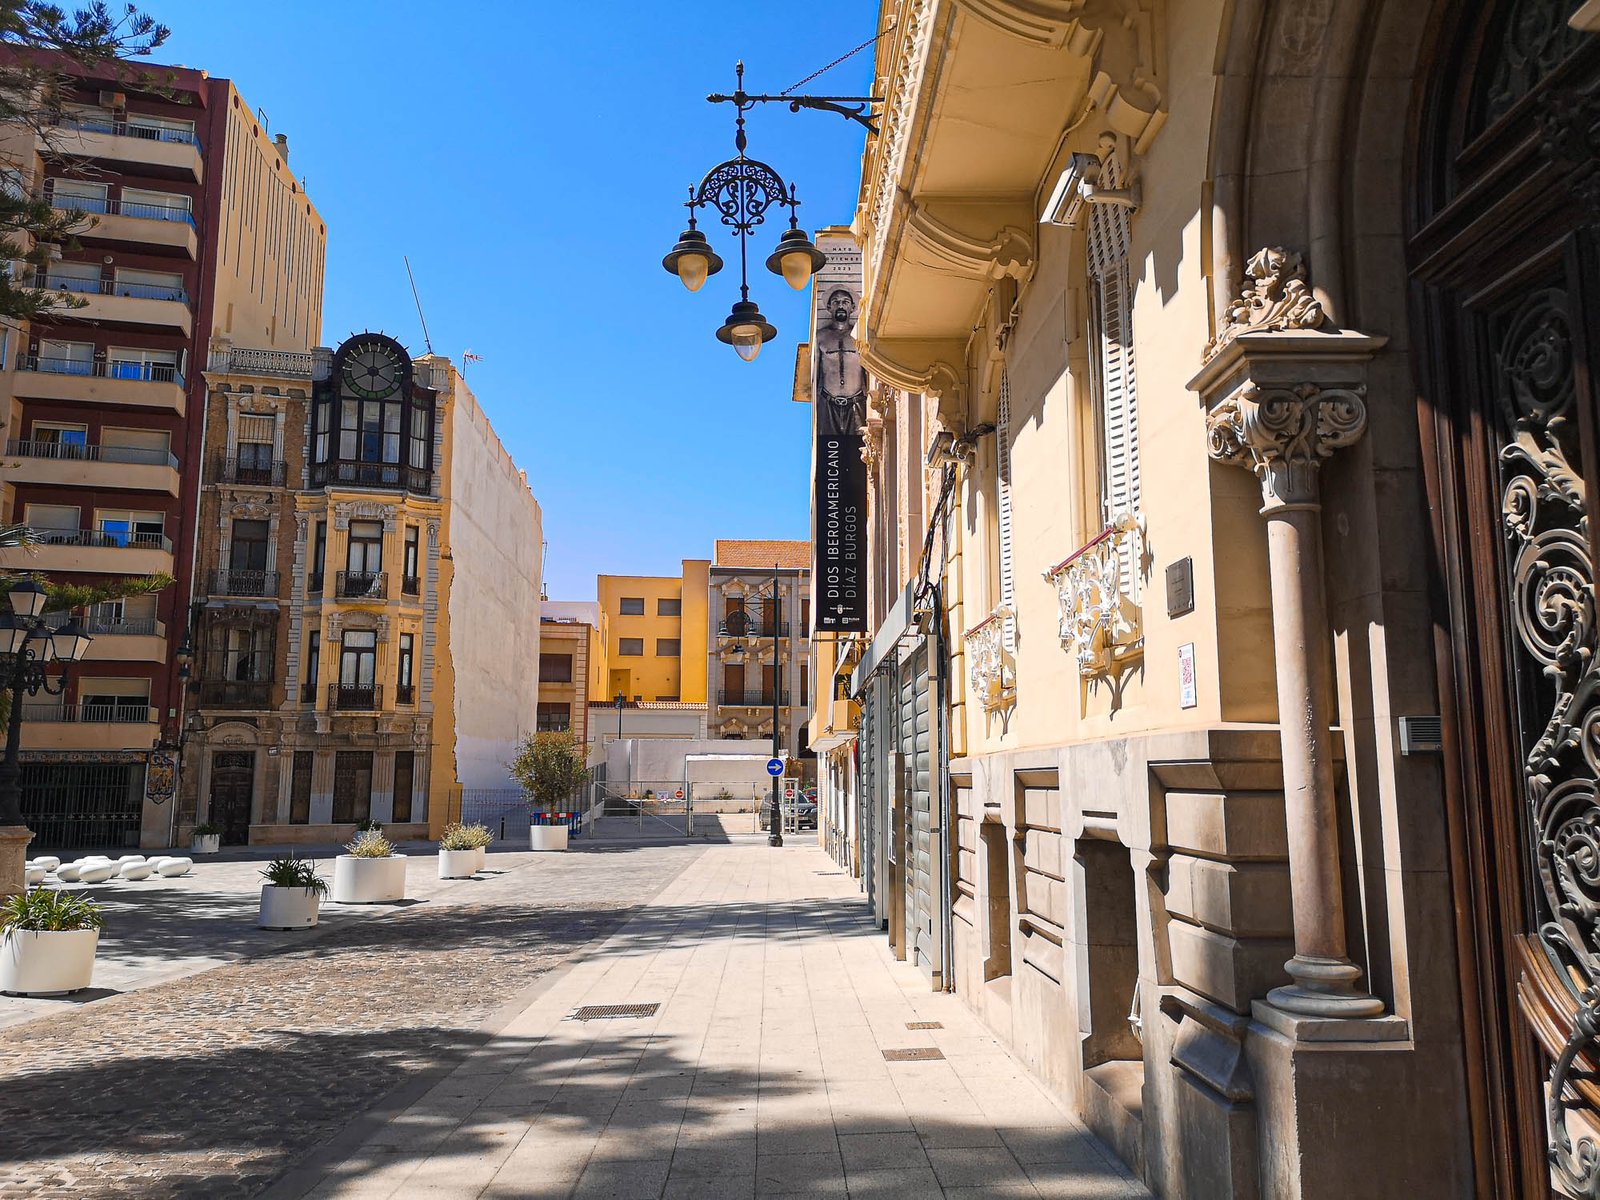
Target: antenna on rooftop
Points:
(426, 340)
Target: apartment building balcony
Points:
(138, 639)
(405, 693)
(152, 228)
(362, 585)
(235, 693)
(410, 585)
(750, 698)
(348, 697)
(158, 386)
(232, 470)
(135, 148)
(386, 476)
(89, 726)
(58, 464)
(146, 305)
(91, 550)
(243, 583)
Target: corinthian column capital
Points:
(1283, 434)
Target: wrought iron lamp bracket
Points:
(851, 108)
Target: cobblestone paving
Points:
(213, 1084)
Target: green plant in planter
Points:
(456, 837)
(46, 910)
(478, 836)
(370, 843)
(207, 829)
(295, 873)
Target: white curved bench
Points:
(68, 872)
(97, 872)
(137, 870)
(48, 861)
(34, 873)
(171, 868)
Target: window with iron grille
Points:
(554, 717)
(352, 786)
(405, 768)
(300, 786)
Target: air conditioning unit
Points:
(1421, 735)
(113, 99)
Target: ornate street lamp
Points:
(740, 191)
(28, 645)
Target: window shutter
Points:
(1121, 493)
(1002, 439)
(255, 428)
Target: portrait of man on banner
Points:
(841, 393)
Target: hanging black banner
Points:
(840, 545)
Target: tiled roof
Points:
(762, 554)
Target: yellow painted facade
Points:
(655, 634)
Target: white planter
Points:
(288, 907)
(457, 864)
(548, 837)
(47, 964)
(369, 880)
(205, 843)
(480, 857)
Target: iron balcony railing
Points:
(150, 133)
(236, 693)
(113, 368)
(405, 693)
(114, 207)
(244, 583)
(354, 585)
(376, 475)
(354, 697)
(749, 627)
(314, 583)
(244, 360)
(233, 470)
(88, 714)
(101, 538)
(99, 627)
(112, 287)
(410, 585)
(750, 697)
(75, 452)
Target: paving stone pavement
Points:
(762, 1073)
(212, 1083)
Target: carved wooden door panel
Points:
(1507, 329)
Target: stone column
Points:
(1283, 434)
(14, 841)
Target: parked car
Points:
(804, 808)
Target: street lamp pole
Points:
(775, 838)
(30, 646)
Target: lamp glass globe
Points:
(693, 270)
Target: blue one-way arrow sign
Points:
(774, 767)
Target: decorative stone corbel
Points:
(925, 368)
(1006, 252)
(1275, 299)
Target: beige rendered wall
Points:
(495, 543)
(271, 243)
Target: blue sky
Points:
(532, 159)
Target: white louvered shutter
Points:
(1002, 441)
(1118, 388)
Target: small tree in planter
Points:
(371, 873)
(458, 854)
(206, 839)
(47, 942)
(292, 894)
(550, 768)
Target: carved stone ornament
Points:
(363, 510)
(1274, 299)
(1097, 589)
(300, 524)
(991, 668)
(1283, 434)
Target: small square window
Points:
(632, 606)
(630, 647)
(669, 608)
(667, 648)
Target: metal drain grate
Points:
(603, 1012)
(827, 872)
(915, 1054)
(924, 1024)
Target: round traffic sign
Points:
(774, 767)
(679, 794)
(788, 793)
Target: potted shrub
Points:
(458, 857)
(206, 839)
(480, 837)
(550, 767)
(292, 894)
(47, 942)
(371, 873)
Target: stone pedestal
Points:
(14, 841)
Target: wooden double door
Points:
(1505, 263)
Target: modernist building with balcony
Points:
(330, 612)
(102, 434)
(758, 646)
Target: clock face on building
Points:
(373, 370)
